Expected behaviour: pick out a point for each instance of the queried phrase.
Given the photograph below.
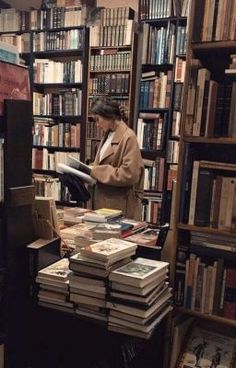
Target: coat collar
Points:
(119, 133)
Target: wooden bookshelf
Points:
(112, 66)
(68, 123)
(198, 218)
(159, 73)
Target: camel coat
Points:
(120, 174)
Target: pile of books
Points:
(139, 297)
(54, 286)
(91, 268)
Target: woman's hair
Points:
(108, 109)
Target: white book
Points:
(108, 249)
(139, 272)
(57, 271)
(63, 168)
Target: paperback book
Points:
(139, 272)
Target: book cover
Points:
(108, 249)
(139, 272)
(208, 349)
(56, 271)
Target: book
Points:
(145, 300)
(102, 215)
(9, 53)
(139, 272)
(146, 237)
(206, 348)
(110, 249)
(116, 286)
(63, 169)
(137, 311)
(58, 271)
(92, 269)
(139, 327)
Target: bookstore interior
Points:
(118, 285)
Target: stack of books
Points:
(77, 235)
(103, 215)
(139, 297)
(54, 286)
(91, 268)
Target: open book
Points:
(75, 167)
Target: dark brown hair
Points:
(108, 109)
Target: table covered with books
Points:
(104, 280)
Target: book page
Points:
(62, 168)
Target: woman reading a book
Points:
(118, 166)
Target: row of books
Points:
(48, 186)
(217, 22)
(113, 61)
(114, 16)
(22, 42)
(102, 36)
(151, 131)
(178, 96)
(49, 71)
(210, 105)
(66, 102)
(57, 17)
(155, 90)
(206, 285)
(43, 159)
(181, 40)
(151, 208)
(109, 83)
(12, 20)
(172, 151)
(47, 133)
(154, 174)
(58, 40)
(93, 131)
(158, 44)
(180, 70)
(155, 9)
(212, 195)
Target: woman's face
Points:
(103, 123)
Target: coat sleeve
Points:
(128, 173)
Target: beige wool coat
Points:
(120, 174)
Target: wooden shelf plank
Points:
(214, 46)
(202, 229)
(214, 140)
(208, 317)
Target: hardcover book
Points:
(139, 272)
(57, 271)
(109, 249)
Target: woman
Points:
(118, 165)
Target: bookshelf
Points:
(112, 65)
(16, 226)
(59, 67)
(53, 41)
(160, 102)
(204, 233)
